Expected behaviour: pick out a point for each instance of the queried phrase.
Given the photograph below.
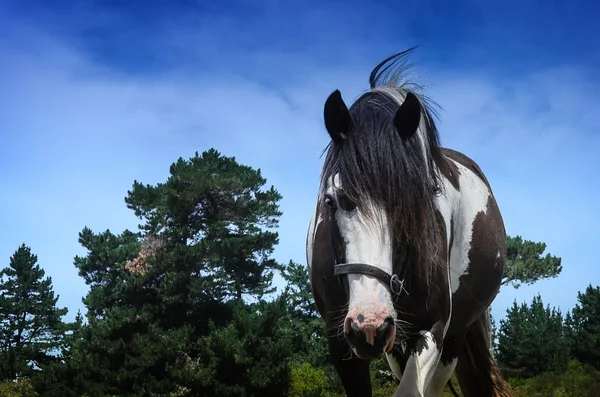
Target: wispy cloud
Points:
(83, 114)
(536, 138)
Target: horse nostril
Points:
(384, 328)
(354, 327)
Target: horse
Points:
(406, 246)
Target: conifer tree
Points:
(526, 264)
(532, 339)
(163, 298)
(585, 329)
(32, 332)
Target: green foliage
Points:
(169, 312)
(22, 388)
(218, 206)
(532, 340)
(127, 354)
(585, 326)
(384, 383)
(58, 379)
(308, 381)
(247, 357)
(577, 381)
(525, 263)
(102, 268)
(165, 308)
(308, 333)
(122, 341)
(31, 327)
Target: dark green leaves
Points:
(525, 263)
(166, 307)
(585, 327)
(532, 339)
(31, 329)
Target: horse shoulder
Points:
(478, 247)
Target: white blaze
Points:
(368, 242)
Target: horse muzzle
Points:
(369, 341)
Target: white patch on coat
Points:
(440, 378)
(463, 205)
(367, 242)
(420, 368)
(444, 204)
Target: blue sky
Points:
(97, 94)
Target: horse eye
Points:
(329, 202)
(345, 202)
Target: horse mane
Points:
(376, 166)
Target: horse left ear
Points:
(337, 117)
(408, 116)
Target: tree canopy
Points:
(532, 339)
(526, 264)
(187, 304)
(32, 332)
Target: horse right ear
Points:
(338, 121)
(408, 117)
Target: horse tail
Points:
(477, 373)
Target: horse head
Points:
(361, 231)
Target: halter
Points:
(394, 283)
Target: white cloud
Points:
(80, 134)
(535, 138)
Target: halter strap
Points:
(392, 282)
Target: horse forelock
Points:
(377, 169)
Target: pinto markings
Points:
(472, 199)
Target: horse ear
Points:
(408, 116)
(337, 117)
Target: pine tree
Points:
(586, 326)
(249, 356)
(525, 263)
(218, 206)
(60, 378)
(532, 339)
(32, 332)
(511, 335)
(306, 324)
(310, 354)
(122, 350)
(159, 299)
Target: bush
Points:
(577, 381)
(308, 381)
(22, 388)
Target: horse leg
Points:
(353, 371)
(423, 358)
(396, 362)
(446, 366)
(477, 372)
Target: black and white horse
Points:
(406, 247)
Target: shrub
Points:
(577, 381)
(22, 388)
(308, 381)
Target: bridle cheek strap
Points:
(392, 282)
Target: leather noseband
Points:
(394, 283)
